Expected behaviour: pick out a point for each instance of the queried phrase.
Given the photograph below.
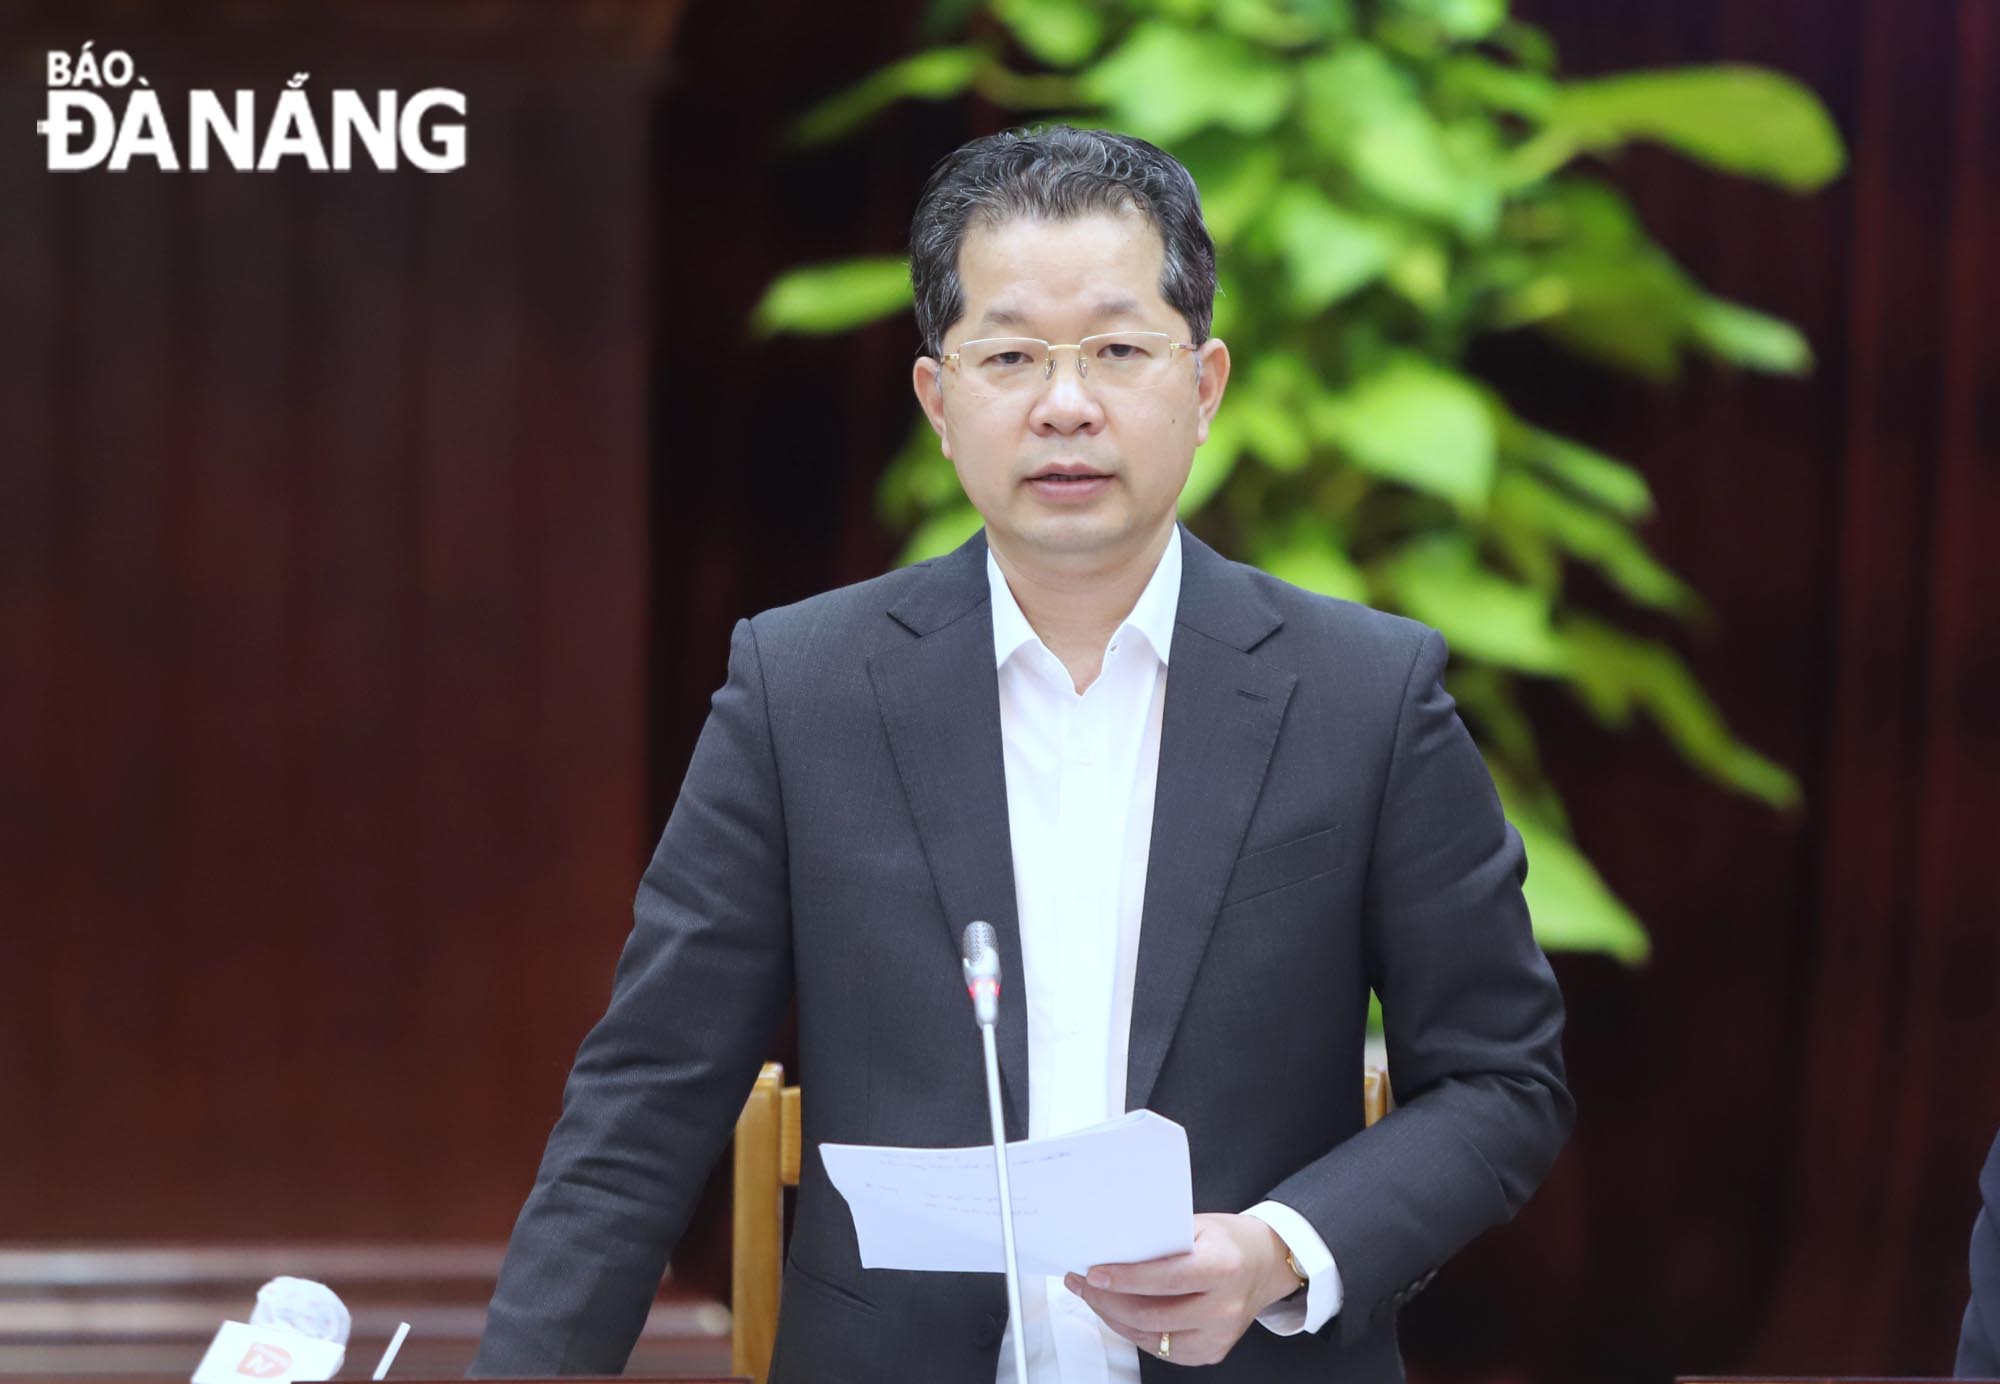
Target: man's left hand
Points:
(1206, 1298)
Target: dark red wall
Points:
(323, 595)
(1784, 1116)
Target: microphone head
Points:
(977, 938)
(979, 956)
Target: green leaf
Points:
(1616, 672)
(1440, 581)
(1272, 431)
(1164, 82)
(1495, 86)
(1044, 91)
(1527, 45)
(1590, 474)
(1270, 405)
(1467, 21)
(1485, 696)
(1627, 309)
(1417, 423)
(943, 17)
(1605, 289)
(1590, 212)
(1214, 461)
(918, 481)
(1184, 11)
(1360, 109)
(1421, 275)
(934, 75)
(1306, 553)
(1740, 119)
(1327, 251)
(1747, 337)
(1062, 33)
(940, 534)
(1229, 300)
(1286, 23)
(1235, 181)
(1525, 551)
(821, 299)
(1598, 538)
(1574, 214)
(1573, 909)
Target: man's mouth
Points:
(1068, 484)
(1068, 471)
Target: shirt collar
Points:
(1152, 615)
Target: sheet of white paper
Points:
(1115, 1193)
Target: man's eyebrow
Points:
(1003, 315)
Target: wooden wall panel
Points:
(327, 570)
(1782, 1117)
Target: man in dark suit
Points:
(1979, 1338)
(1205, 812)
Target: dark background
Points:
(369, 545)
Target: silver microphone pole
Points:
(981, 960)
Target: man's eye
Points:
(1004, 358)
(1122, 350)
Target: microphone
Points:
(301, 1305)
(980, 959)
(298, 1330)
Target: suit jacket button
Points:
(989, 1331)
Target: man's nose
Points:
(1067, 401)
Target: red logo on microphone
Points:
(265, 1362)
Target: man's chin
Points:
(1072, 536)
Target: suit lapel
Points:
(1224, 707)
(939, 697)
(940, 702)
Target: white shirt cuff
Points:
(1322, 1298)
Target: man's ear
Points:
(1212, 377)
(927, 379)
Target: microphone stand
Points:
(1006, 1204)
(981, 960)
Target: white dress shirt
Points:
(1080, 775)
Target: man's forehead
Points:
(1010, 312)
(1099, 264)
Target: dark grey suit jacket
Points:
(1979, 1337)
(1322, 825)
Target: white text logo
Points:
(86, 129)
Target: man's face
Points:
(1063, 281)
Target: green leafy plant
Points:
(1386, 182)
